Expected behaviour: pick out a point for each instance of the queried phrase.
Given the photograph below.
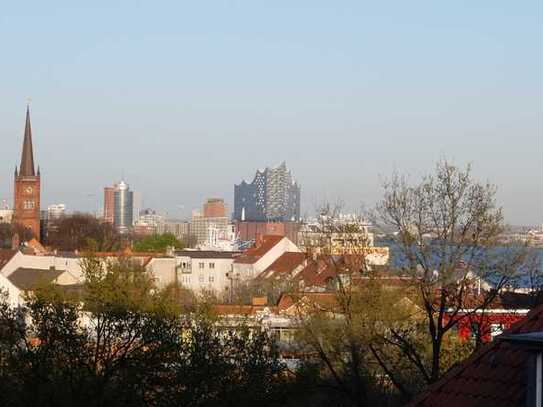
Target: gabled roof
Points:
(6, 256)
(315, 301)
(494, 376)
(318, 273)
(30, 278)
(254, 254)
(284, 265)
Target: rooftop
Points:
(30, 278)
(285, 264)
(6, 256)
(254, 254)
(495, 375)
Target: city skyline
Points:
(377, 91)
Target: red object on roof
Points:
(254, 254)
(494, 376)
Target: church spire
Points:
(27, 157)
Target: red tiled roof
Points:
(321, 301)
(286, 263)
(494, 376)
(254, 254)
(318, 273)
(5, 256)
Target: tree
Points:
(83, 232)
(123, 342)
(157, 243)
(447, 240)
(8, 232)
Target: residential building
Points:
(272, 196)
(215, 208)
(27, 186)
(255, 260)
(206, 271)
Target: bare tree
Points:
(447, 241)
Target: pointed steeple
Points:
(27, 157)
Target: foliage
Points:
(157, 243)
(447, 234)
(82, 232)
(7, 232)
(125, 343)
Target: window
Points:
(495, 330)
(186, 280)
(211, 279)
(201, 265)
(211, 265)
(28, 205)
(201, 278)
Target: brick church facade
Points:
(27, 186)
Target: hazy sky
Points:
(187, 98)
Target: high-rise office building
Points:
(119, 206)
(123, 207)
(214, 208)
(272, 196)
(55, 211)
(109, 204)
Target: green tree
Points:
(157, 243)
(123, 342)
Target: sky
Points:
(185, 99)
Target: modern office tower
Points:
(55, 211)
(27, 186)
(109, 204)
(214, 208)
(123, 207)
(272, 196)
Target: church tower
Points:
(27, 186)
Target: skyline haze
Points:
(185, 100)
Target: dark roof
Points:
(207, 254)
(5, 256)
(29, 278)
(27, 156)
(254, 254)
(493, 376)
